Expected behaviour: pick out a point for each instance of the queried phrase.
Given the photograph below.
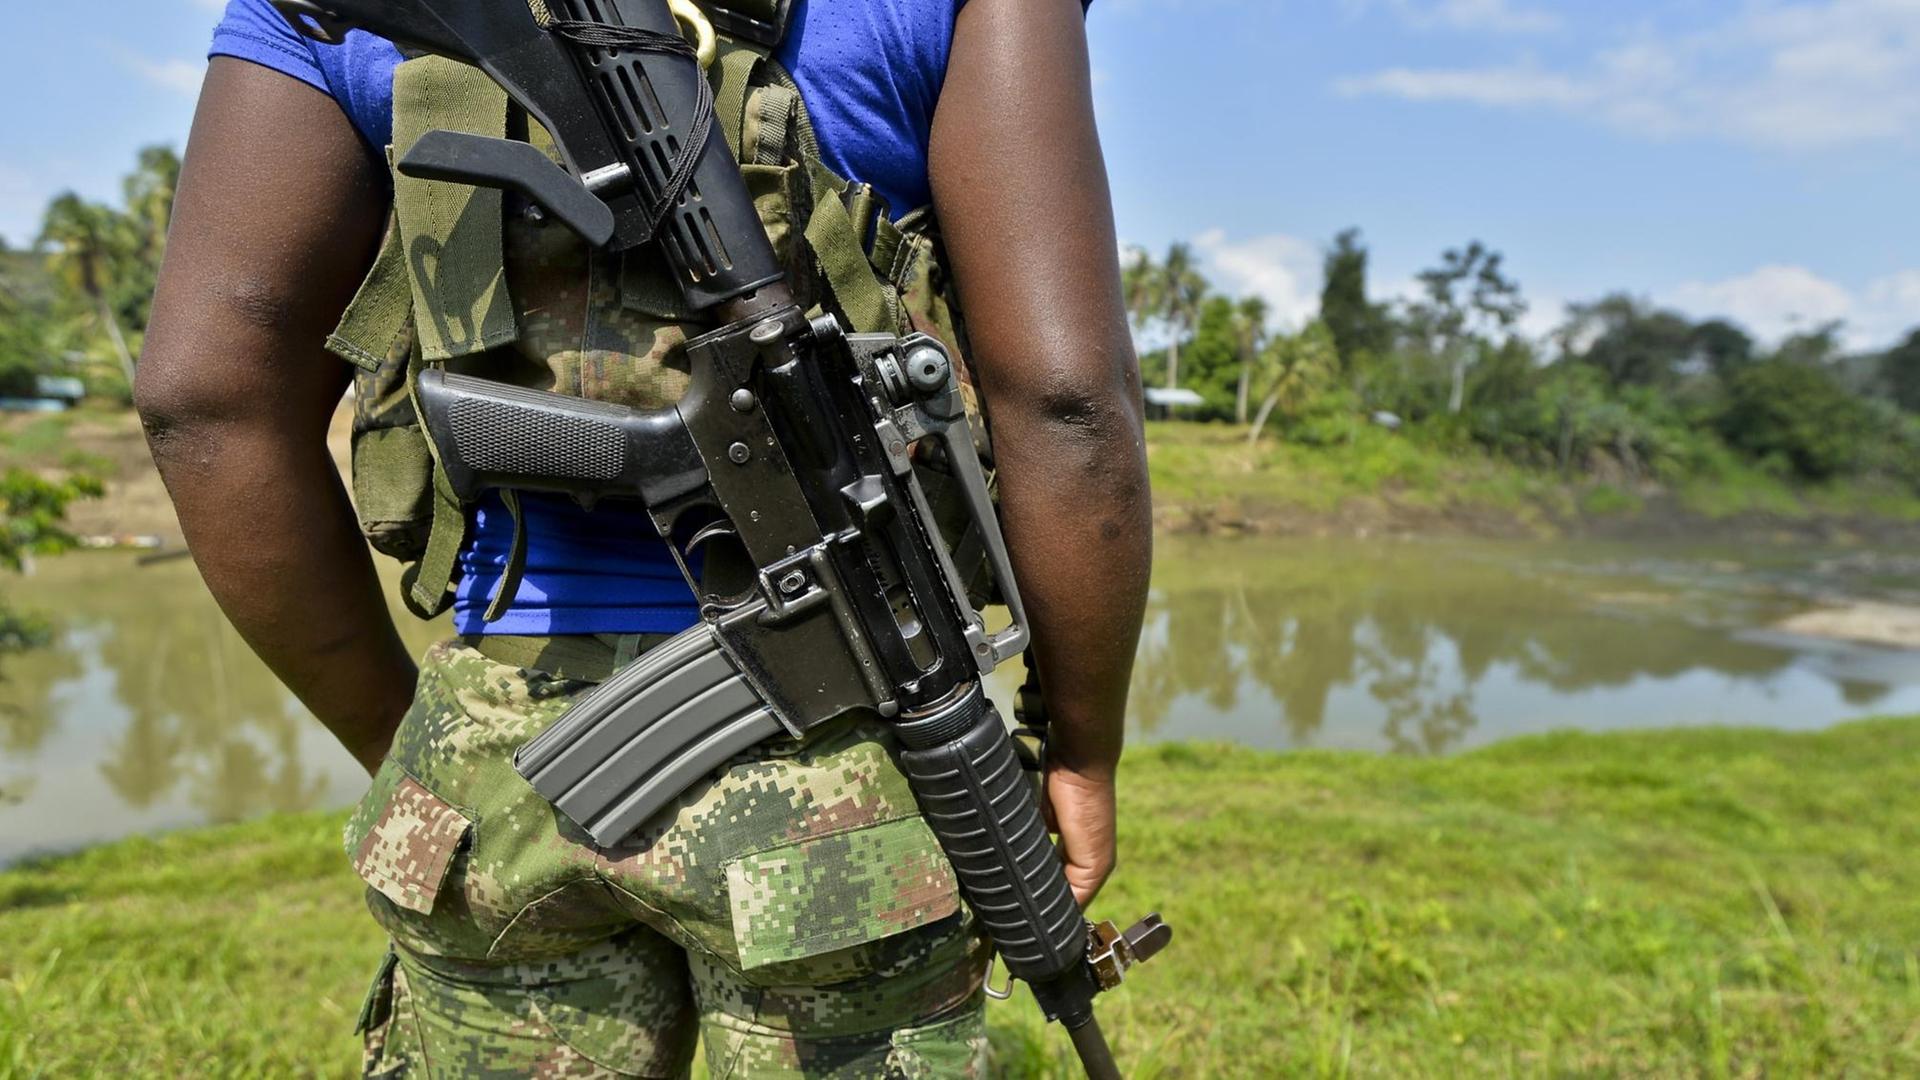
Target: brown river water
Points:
(148, 713)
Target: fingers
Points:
(1082, 810)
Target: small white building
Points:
(1161, 401)
(51, 393)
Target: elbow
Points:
(173, 404)
(1091, 437)
(1092, 416)
(1099, 419)
(186, 405)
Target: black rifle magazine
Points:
(633, 744)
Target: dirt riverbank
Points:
(110, 445)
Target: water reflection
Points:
(1428, 647)
(149, 712)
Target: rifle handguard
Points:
(961, 765)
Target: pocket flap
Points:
(407, 849)
(834, 892)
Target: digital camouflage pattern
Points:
(796, 911)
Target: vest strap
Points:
(733, 78)
(868, 303)
(426, 586)
(452, 232)
(426, 581)
(767, 137)
(377, 315)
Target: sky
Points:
(1754, 159)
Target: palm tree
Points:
(1250, 324)
(1139, 279)
(149, 190)
(1296, 370)
(82, 245)
(1177, 294)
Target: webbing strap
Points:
(870, 304)
(587, 657)
(775, 120)
(734, 73)
(516, 567)
(377, 315)
(452, 232)
(426, 581)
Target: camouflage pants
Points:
(795, 913)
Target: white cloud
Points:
(1794, 75)
(1499, 16)
(179, 76)
(1511, 86)
(1285, 270)
(1777, 300)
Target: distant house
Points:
(1161, 402)
(51, 393)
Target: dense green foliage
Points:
(1623, 391)
(77, 303)
(1685, 903)
(31, 510)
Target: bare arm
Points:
(278, 214)
(1021, 190)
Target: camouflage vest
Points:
(476, 281)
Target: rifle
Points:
(790, 458)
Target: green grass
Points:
(1714, 903)
(1209, 471)
(41, 441)
(1209, 467)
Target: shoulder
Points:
(358, 73)
(252, 30)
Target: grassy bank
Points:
(1206, 477)
(1707, 903)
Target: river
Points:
(147, 712)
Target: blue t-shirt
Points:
(871, 72)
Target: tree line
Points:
(77, 301)
(1621, 385)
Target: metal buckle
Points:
(1112, 952)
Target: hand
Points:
(1081, 808)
